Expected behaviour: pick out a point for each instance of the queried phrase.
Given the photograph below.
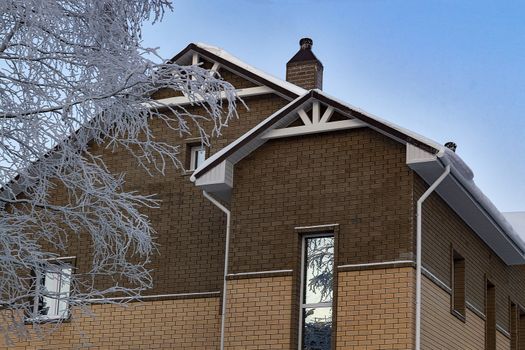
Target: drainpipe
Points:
(226, 253)
(419, 250)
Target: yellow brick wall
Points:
(259, 313)
(171, 324)
(375, 309)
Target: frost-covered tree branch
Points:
(74, 74)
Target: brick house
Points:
(298, 174)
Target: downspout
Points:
(226, 253)
(419, 251)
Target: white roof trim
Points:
(229, 57)
(240, 139)
(411, 133)
(263, 123)
(508, 245)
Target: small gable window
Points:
(197, 156)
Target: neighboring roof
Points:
(517, 220)
(233, 63)
(379, 124)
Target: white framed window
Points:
(52, 290)
(197, 156)
(317, 274)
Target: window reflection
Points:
(317, 292)
(317, 328)
(319, 270)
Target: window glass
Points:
(317, 292)
(319, 253)
(198, 156)
(54, 288)
(317, 328)
(458, 283)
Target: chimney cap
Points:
(305, 52)
(306, 43)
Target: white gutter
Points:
(419, 251)
(226, 253)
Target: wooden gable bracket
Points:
(314, 122)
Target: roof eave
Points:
(461, 198)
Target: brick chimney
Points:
(304, 69)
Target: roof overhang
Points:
(426, 157)
(461, 194)
(255, 137)
(237, 66)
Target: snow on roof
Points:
(267, 123)
(512, 225)
(229, 57)
(239, 149)
(405, 131)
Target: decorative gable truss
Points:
(314, 117)
(250, 88)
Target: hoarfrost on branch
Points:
(75, 74)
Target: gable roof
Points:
(426, 157)
(381, 125)
(233, 63)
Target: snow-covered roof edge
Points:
(219, 52)
(464, 174)
(459, 168)
(263, 125)
(377, 123)
(235, 64)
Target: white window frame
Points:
(302, 305)
(194, 150)
(40, 276)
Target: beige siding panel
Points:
(502, 342)
(440, 330)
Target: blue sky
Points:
(450, 70)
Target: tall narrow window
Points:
(197, 156)
(317, 292)
(517, 327)
(52, 293)
(458, 284)
(490, 313)
(521, 328)
(514, 326)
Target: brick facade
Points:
(169, 324)
(356, 180)
(308, 75)
(375, 309)
(259, 313)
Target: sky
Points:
(449, 70)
